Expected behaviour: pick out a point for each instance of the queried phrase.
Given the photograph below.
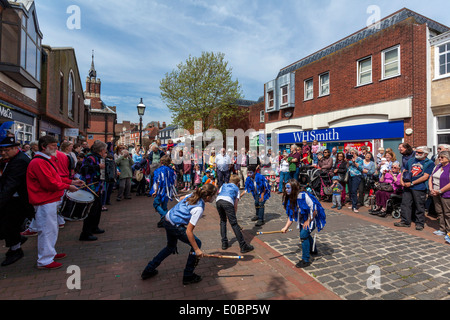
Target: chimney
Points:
(164, 125)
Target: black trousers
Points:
(12, 217)
(90, 224)
(226, 211)
(222, 177)
(413, 199)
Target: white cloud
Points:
(137, 42)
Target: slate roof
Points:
(385, 23)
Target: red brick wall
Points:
(345, 94)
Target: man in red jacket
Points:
(45, 190)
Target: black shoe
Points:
(247, 248)
(382, 214)
(12, 257)
(314, 253)
(192, 279)
(225, 246)
(98, 231)
(255, 218)
(419, 227)
(118, 199)
(160, 224)
(84, 237)
(260, 223)
(302, 264)
(402, 225)
(148, 274)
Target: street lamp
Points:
(141, 111)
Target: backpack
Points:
(110, 170)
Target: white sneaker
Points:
(439, 233)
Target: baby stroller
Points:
(326, 191)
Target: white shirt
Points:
(196, 214)
(223, 162)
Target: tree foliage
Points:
(202, 89)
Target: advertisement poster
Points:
(358, 145)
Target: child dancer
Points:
(259, 187)
(163, 187)
(227, 203)
(179, 223)
(307, 211)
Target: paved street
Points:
(412, 264)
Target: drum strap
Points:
(47, 161)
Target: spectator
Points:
(325, 163)
(295, 158)
(254, 164)
(34, 147)
(124, 163)
(439, 186)
(187, 168)
(315, 148)
(284, 172)
(138, 156)
(380, 155)
(407, 153)
(242, 166)
(355, 176)
(340, 169)
(389, 177)
(368, 171)
(223, 162)
(414, 181)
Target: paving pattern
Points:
(352, 255)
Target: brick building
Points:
(369, 88)
(62, 111)
(102, 118)
(20, 67)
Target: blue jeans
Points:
(160, 206)
(284, 178)
(307, 243)
(353, 185)
(259, 206)
(173, 235)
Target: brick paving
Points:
(413, 265)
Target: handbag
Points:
(139, 175)
(383, 186)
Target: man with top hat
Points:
(14, 206)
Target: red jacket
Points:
(44, 183)
(61, 162)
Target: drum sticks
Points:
(86, 186)
(216, 256)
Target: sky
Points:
(136, 43)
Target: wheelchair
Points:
(394, 205)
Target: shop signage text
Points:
(5, 112)
(384, 130)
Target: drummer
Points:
(45, 190)
(91, 174)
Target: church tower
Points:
(93, 87)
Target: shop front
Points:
(24, 122)
(47, 128)
(385, 134)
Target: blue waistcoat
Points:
(229, 190)
(181, 213)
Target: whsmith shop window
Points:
(20, 53)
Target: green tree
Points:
(202, 89)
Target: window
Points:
(24, 132)
(262, 116)
(31, 47)
(270, 98)
(309, 89)
(61, 92)
(443, 129)
(444, 59)
(284, 95)
(70, 96)
(324, 80)
(365, 71)
(391, 62)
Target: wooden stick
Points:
(271, 232)
(86, 186)
(220, 257)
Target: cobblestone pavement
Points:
(411, 266)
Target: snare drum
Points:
(76, 205)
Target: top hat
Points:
(6, 142)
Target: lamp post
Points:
(141, 111)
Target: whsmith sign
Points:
(385, 130)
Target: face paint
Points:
(288, 189)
